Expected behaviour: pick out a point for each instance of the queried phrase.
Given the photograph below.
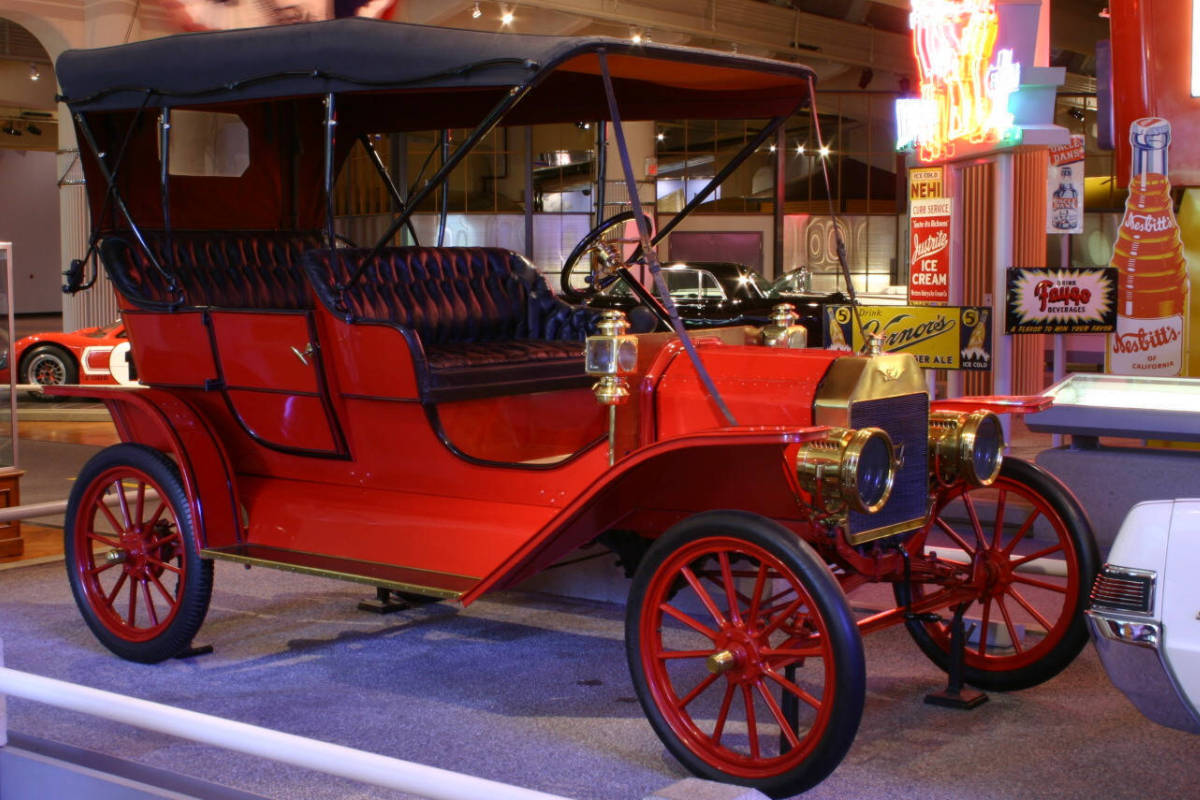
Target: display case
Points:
(11, 543)
(1125, 406)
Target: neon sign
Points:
(965, 83)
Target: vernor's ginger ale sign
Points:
(938, 337)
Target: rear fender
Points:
(168, 423)
(746, 468)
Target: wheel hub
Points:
(133, 545)
(992, 572)
(738, 656)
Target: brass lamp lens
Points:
(983, 446)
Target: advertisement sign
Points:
(926, 182)
(1148, 255)
(1061, 300)
(1064, 188)
(964, 81)
(929, 255)
(939, 337)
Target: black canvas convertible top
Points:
(365, 55)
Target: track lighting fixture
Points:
(34, 72)
(11, 130)
(475, 12)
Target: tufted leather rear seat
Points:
(479, 320)
(226, 269)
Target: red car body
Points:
(428, 420)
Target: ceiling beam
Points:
(753, 25)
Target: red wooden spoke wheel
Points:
(1031, 560)
(744, 653)
(131, 555)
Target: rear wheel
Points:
(744, 653)
(132, 557)
(1032, 560)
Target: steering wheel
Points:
(599, 253)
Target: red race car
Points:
(89, 356)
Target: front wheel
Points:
(744, 653)
(132, 557)
(1028, 562)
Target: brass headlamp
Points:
(968, 447)
(783, 330)
(848, 468)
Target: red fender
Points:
(688, 464)
(168, 423)
(997, 404)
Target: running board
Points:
(388, 576)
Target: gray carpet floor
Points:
(534, 690)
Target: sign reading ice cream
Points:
(929, 253)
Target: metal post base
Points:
(195, 650)
(388, 601)
(955, 695)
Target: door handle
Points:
(309, 350)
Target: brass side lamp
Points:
(611, 355)
(783, 330)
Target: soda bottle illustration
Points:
(1066, 202)
(1152, 283)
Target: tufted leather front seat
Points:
(225, 269)
(479, 320)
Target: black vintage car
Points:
(716, 294)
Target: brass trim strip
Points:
(354, 577)
(862, 537)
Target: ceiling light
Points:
(34, 72)
(635, 37)
(772, 148)
(824, 150)
(800, 149)
(10, 130)
(475, 12)
(661, 136)
(506, 18)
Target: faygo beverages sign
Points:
(1061, 300)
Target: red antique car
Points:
(434, 420)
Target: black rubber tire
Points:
(835, 721)
(1083, 560)
(48, 365)
(174, 545)
(569, 292)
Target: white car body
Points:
(1145, 611)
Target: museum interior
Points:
(596, 399)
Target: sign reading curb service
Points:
(939, 337)
(929, 257)
(1061, 300)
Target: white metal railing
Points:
(53, 507)
(333, 759)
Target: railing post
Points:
(3, 706)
